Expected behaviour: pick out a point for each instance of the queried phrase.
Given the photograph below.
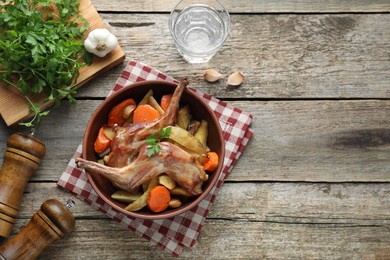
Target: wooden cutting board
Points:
(14, 107)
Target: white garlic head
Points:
(100, 42)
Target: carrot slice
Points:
(120, 113)
(102, 142)
(158, 199)
(165, 100)
(145, 113)
(210, 163)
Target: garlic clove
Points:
(211, 75)
(235, 79)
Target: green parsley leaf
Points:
(153, 145)
(151, 140)
(165, 133)
(88, 57)
(154, 142)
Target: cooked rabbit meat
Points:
(171, 160)
(131, 137)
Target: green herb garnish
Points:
(153, 141)
(41, 49)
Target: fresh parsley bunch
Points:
(41, 49)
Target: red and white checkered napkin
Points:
(175, 233)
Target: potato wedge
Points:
(101, 161)
(109, 131)
(187, 140)
(193, 126)
(202, 133)
(180, 191)
(166, 181)
(141, 201)
(153, 103)
(146, 98)
(125, 196)
(184, 117)
(174, 203)
(128, 112)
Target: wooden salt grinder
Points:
(47, 225)
(21, 158)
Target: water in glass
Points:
(199, 31)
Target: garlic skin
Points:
(235, 79)
(211, 75)
(100, 42)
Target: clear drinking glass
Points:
(199, 28)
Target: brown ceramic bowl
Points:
(137, 91)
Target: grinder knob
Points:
(21, 158)
(47, 225)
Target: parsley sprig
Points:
(41, 49)
(153, 141)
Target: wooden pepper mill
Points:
(22, 157)
(47, 225)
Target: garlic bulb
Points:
(211, 75)
(235, 79)
(100, 42)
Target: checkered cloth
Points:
(175, 233)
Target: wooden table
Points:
(314, 181)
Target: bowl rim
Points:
(188, 206)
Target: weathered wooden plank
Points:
(224, 239)
(284, 56)
(317, 141)
(326, 141)
(253, 6)
(295, 203)
(266, 220)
